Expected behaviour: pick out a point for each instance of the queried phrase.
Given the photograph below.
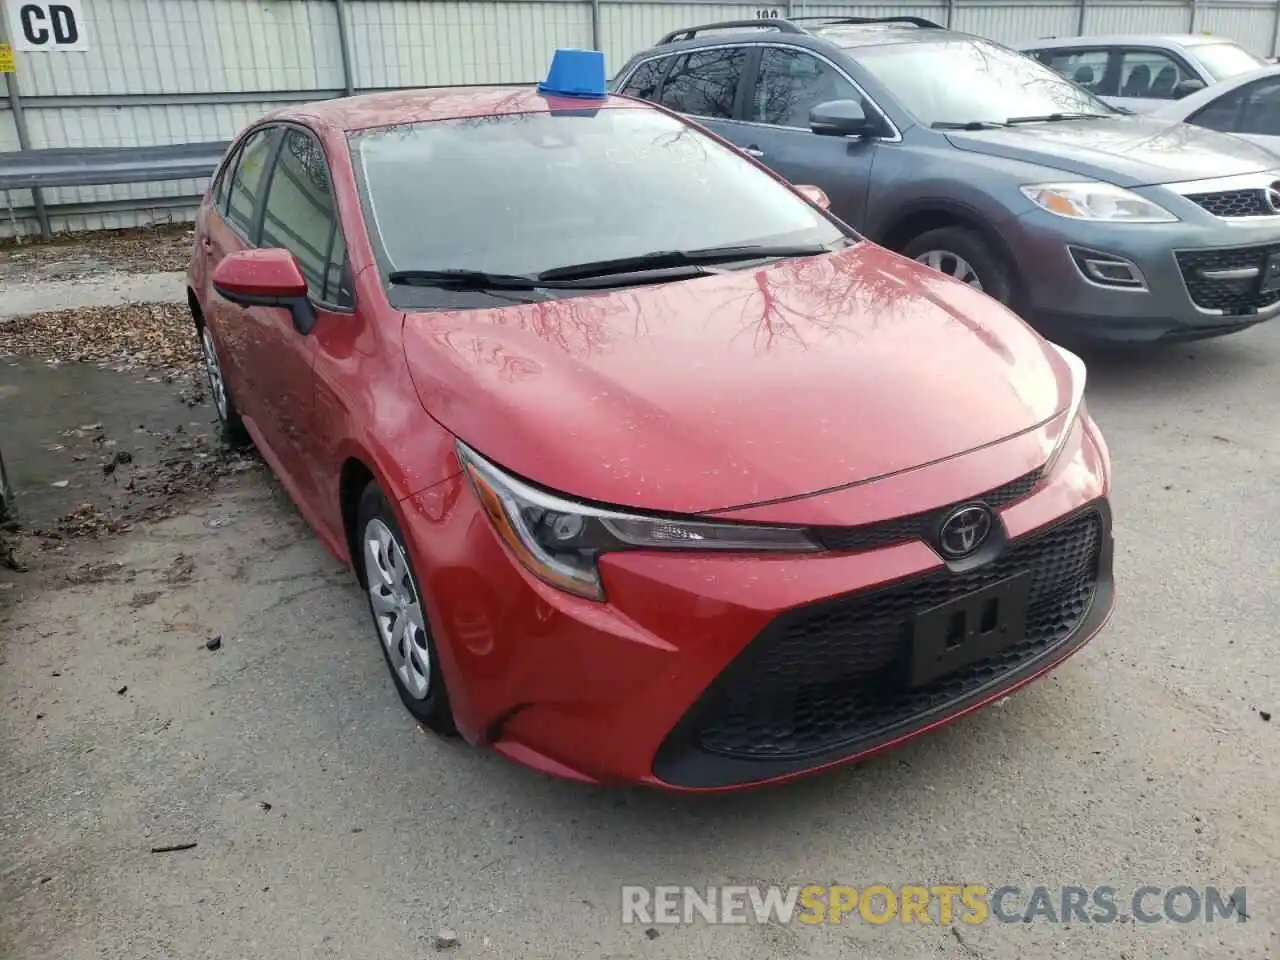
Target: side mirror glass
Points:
(840, 118)
(266, 278)
(815, 195)
(1187, 87)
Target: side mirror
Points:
(1187, 87)
(840, 118)
(266, 278)
(815, 195)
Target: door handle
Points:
(753, 151)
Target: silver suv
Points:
(986, 165)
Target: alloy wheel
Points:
(396, 608)
(953, 265)
(217, 385)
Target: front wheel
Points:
(399, 618)
(963, 255)
(223, 404)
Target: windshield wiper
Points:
(661, 259)
(966, 125)
(1057, 117)
(458, 279)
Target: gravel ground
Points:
(317, 820)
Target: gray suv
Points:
(987, 165)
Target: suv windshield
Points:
(527, 193)
(967, 80)
(1223, 60)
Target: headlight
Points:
(1096, 201)
(559, 540)
(1079, 374)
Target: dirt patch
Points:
(149, 336)
(74, 255)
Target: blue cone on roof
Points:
(576, 73)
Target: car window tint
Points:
(704, 83)
(300, 214)
(1150, 74)
(222, 184)
(1085, 67)
(1261, 112)
(1221, 114)
(337, 276)
(644, 82)
(790, 83)
(246, 184)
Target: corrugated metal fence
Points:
(176, 71)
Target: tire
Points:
(224, 404)
(950, 249)
(392, 590)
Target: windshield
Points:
(527, 193)
(968, 80)
(1223, 60)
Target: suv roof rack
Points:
(775, 23)
(831, 21)
(792, 25)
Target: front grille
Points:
(919, 526)
(1234, 203)
(827, 675)
(1233, 298)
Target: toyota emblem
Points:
(964, 530)
(1272, 196)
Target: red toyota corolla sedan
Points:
(653, 470)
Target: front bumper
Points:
(1177, 302)
(679, 680)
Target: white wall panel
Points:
(193, 46)
(628, 28)
(406, 43)
(1148, 17)
(1252, 26)
(1013, 24)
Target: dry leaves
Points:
(152, 336)
(136, 250)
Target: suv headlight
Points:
(559, 540)
(1093, 200)
(1079, 374)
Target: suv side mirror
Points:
(1187, 87)
(266, 278)
(840, 118)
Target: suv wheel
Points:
(962, 254)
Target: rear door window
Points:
(1151, 75)
(246, 183)
(705, 83)
(301, 217)
(790, 83)
(1088, 68)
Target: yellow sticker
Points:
(7, 63)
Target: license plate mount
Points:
(969, 628)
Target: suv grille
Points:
(1234, 298)
(827, 675)
(918, 526)
(1234, 203)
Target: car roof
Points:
(439, 103)
(1117, 39)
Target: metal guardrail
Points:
(93, 166)
(96, 166)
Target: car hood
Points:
(738, 388)
(1129, 151)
